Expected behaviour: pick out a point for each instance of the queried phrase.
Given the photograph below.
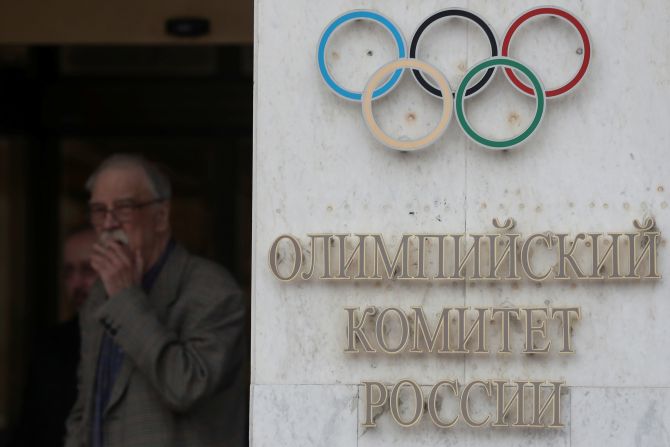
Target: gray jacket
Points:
(183, 346)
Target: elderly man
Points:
(161, 330)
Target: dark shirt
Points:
(111, 357)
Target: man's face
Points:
(122, 189)
(79, 275)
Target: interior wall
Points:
(63, 109)
(12, 274)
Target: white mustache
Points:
(114, 235)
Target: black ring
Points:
(453, 12)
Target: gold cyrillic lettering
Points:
(432, 403)
(325, 238)
(380, 251)
(505, 312)
(648, 250)
(274, 258)
(510, 252)
(525, 256)
(370, 404)
(567, 326)
(394, 403)
(598, 261)
(345, 263)
(421, 330)
(502, 408)
(380, 332)
(531, 330)
(568, 257)
(478, 325)
(465, 402)
(355, 329)
(539, 410)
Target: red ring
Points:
(555, 12)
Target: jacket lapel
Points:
(91, 348)
(166, 289)
(120, 384)
(162, 295)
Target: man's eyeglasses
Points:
(122, 211)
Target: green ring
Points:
(460, 99)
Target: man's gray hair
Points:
(158, 181)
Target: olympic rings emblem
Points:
(387, 77)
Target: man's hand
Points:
(117, 266)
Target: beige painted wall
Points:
(121, 21)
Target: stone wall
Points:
(598, 161)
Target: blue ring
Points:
(352, 15)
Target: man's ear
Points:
(162, 216)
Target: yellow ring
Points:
(447, 105)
